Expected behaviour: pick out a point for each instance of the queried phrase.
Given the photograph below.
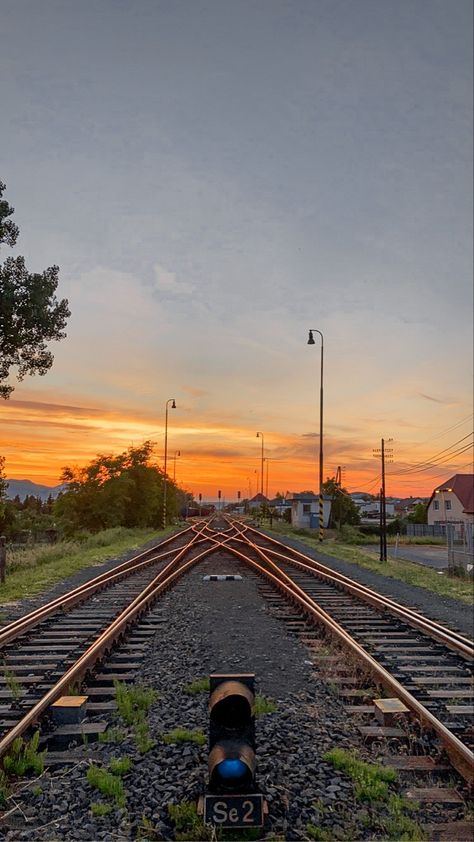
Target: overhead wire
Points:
(435, 459)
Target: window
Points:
(436, 505)
(447, 504)
(306, 508)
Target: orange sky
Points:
(39, 438)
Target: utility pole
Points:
(383, 508)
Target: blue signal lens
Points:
(232, 770)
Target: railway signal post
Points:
(232, 799)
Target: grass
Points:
(318, 833)
(143, 741)
(24, 757)
(120, 765)
(184, 735)
(112, 735)
(31, 569)
(13, 684)
(133, 701)
(264, 705)
(146, 830)
(198, 685)
(405, 571)
(99, 810)
(371, 780)
(371, 785)
(107, 783)
(188, 825)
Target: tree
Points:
(419, 514)
(30, 313)
(124, 490)
(343, 508)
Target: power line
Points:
(432, 459)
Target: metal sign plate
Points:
(234, 810)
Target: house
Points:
(258, 501)
(305, 510)
(452, 502)
(407, 505)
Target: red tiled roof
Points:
(463, 487)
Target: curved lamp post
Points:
(165, 487)
(260, 436)
(321, 501)
(176, 453)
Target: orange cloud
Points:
(39, 438)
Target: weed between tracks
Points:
(198, 685)
(184, 735)
(133, 704)
(371, 782)
(108, 783)
(23, 757)
(13, 684)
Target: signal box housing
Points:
(232, 733)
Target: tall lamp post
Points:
(321, 501)
(165, 486)
(176, 453)
(260, 436)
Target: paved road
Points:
(431, 555)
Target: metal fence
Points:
(423, 530)
(460, 549)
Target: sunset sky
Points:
(214, 178)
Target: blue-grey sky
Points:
(216, 177)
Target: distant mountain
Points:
(23, 487)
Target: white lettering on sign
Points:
(220, 811)
(249, 813)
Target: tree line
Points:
(121, 490)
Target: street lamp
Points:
(321, 501)
(260, 435)
(165, 487)
(176, 453)
(443, 500)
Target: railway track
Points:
(70, 640)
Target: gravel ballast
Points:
(220, 627)
(450, 612)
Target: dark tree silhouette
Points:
(30, 313)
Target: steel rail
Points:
(462, 645)
(462, 758)
(100, 646)
(127, 568)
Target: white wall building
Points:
(452, 502)
(305, 510)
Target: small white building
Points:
(305, 510)
(452, 502)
